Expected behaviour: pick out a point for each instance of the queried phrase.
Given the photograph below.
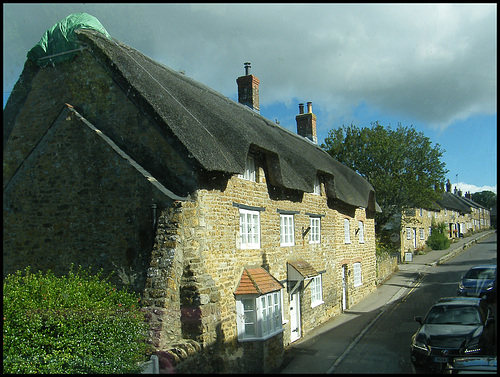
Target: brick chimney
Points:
(248, 89)
(306, 123)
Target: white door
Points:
(295, 317)
(414, 238)
(344, 287)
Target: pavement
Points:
(330, 342)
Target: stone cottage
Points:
(460, 214)
(240, 235)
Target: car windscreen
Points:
(481, 273)
(453, 315)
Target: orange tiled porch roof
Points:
(257, 281)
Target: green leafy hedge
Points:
(438, 240)
(77, 323)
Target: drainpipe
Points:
(153, 211)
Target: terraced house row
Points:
(460, 214)
(240, 235)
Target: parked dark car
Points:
(479, 281)
(453, 327)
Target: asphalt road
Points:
(373, 336)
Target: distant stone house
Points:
(240, 235)
(461, 215)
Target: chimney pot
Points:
(306, 123)
(247, 68)
(309, 107)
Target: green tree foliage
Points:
(72, 324)
(438, 240)
(402, 164)
(486, 198)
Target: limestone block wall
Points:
(224, 259)
(418, 220)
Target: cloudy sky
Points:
(430, 66)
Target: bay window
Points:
(259, 317)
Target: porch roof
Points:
(257, 281)
(301, 270)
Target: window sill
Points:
(317, 303)
(249, 246)
(261, 338)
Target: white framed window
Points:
(259, 317)
(421, 212)
(316, 291)
(422, 233)
(430, 231)
(249, 174)
(249, 229)
(317, 187)
(249, 317)
(347, 235)
(361, 232)
(315, 232)
(357, 274)
(287, 230)
(408, 233)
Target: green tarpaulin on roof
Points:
(61, 38)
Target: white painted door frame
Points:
(295, 316)
(344, 287)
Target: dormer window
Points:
(249, 173)
(317, 187)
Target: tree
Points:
(72, 324)
(402, 165)
(486, 198)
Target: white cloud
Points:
(465, 187)
(432, 63)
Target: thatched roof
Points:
(219, 132)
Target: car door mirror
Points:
(418, 319)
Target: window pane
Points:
(276, 312)
(315, 230)
(357, 274)
(249, 314)
(316, 290)
(347, 237)
(249, 228)
(264, 315)
(287, 236)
